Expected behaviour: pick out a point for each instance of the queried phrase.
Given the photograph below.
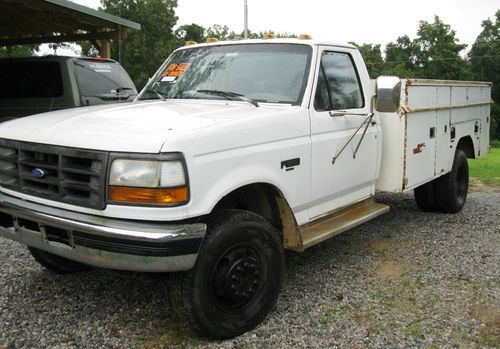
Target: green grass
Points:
(414, 329)
(487, 169)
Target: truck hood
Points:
(130, 127)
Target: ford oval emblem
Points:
(38, 172)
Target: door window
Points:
(338, 83)
(25, 79)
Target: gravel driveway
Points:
(407, 279)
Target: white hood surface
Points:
(130, 127)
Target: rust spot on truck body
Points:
(418, 148)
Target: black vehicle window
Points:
(344, 88)
(30, 79)
(97, 78)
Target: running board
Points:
(340, 221)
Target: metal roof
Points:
(45, 21)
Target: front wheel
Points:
(451, 189)
(237, 277)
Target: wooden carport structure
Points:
(24, 22)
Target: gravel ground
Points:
(405, 280)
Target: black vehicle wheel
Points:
(237, 277)
(56, 263)
(425, 197)
(451, 189)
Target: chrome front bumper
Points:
(99, 241)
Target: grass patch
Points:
(487, 169)
(414, 329)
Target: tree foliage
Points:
(18, 51)
(372, 56)
(190, 32)
(433, 54)
(142, 52)
(197, 33)
(484, 57)
(401, 57)
(438, 52)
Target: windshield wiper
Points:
(120, 89)
(230, 96)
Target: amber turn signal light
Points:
(158, 196)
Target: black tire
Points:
(451, 189)
(237, 277)
(57, 264)
(425, 197)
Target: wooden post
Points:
(105, 48)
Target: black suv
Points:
(32, 85)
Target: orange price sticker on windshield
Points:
(176, 70)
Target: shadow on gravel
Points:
(119, 305)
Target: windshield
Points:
(273, 73)
(102, 77)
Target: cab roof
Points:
(309, 42)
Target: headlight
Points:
(148, 181)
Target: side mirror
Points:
(388, 94)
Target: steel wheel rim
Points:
(237, 278)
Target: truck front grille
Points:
(69, 175)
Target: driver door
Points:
(341, 175)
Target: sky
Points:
(377, 22)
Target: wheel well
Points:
(467, 146)
(259, 198)
(269, 202)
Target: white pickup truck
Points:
(234, 152)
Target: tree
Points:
(218, 31)
(60, 45)
(143, 51)
(372, 55)
(438, 54)
(484, 57)
(88, 49)
(18, 51)
(190, 32)
(401, 58)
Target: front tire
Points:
(451, 189)
(55, 263)
(237, 277)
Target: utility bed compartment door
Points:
(420, 135)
